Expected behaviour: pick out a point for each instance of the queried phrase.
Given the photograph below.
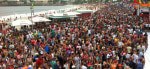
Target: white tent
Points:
(58, 14)
(72, 13)
(40, 19)
(28, 14)
(21, 22)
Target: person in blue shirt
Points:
(139, 64)
(47, 49)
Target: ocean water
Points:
(10, 10)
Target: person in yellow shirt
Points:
(116, 40)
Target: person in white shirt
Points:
(11, 46)
(128, 55)
(143, 47)
(120, 44)
(66, 65)
(89, 32)
(135, 56)
(83, 66)
(77, 61)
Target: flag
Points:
(144, 3)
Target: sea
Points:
(11, 10)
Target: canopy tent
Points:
(62, 15)
(57, 16)
(72, 13)
(85, 11)
(21, 22)
(28, 14)
(40, 19)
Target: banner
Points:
(144, 3)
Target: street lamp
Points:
(32, 11)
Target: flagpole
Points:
(149, 13)
(138, 10)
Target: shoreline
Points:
(39, 5)
(36, 5)
(37, 9)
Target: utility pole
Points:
(32, 11)
(149, 13)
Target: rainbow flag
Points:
(144, 3)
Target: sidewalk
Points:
(147, 54)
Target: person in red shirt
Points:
(39, 62)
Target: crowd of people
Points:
(112, 38)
